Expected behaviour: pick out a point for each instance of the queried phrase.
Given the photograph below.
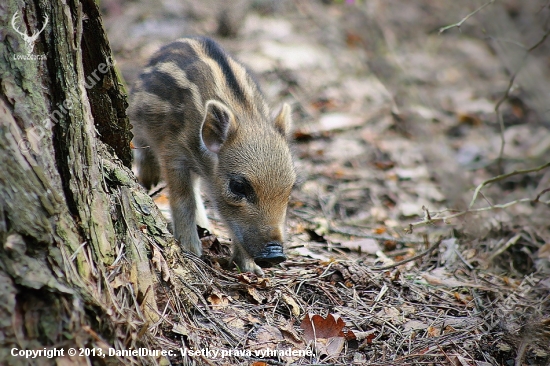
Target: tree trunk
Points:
(73, 222)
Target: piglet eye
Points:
(240, 187)
(237, 188)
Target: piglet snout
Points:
(271, 255)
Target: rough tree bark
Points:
(72, 219)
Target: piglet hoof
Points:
(271, 255)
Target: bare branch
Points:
(434, 217)
(504, 176)
(415, 257)
(507, 93)
(459, 24)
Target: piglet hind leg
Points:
(200, 212)
(148, 168)
(183, 206)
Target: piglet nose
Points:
(271, 255)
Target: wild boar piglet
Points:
(198, 116)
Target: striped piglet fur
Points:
(199, 117)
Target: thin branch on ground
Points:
(357, 233)
(413, 258)
(507, 93)
(431, 218)
(504, 176)
(373, 236)
(512, 78)
(459, 24)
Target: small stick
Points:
(427, 251)
(504, 176)
(459, 24)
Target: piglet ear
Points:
(283, 121)
(217, 124)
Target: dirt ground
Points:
(396, 122)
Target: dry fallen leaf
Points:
(390, 315)
(237, 320)
(544, 252)
(457, 360)
(160, 264)
(252, 279)
(306, 252)
(433, 332)
(367, 246)
(244, 278)
(448, 329)
(253, 292)
(440, 277)
(414, 325)
(290, 334)
(268, 336)
(334, 346)
(218, 300)
(447, 282)
(463, 298)
(180, 329)
(338, 121)
(347, 334)
(292, 303)
(369, 336)
(119, 280)
(315, 326)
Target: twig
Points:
(352, 232)
(373, 236)
(541, 41)
(446, 219)
(505, 247)
(504, 176)
(459, 24)
(507, 93)
(521, 352)
(540, 194)
(426, 252)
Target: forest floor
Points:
(395, 125)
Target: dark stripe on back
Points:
(166, 87)
(180, 53)
(214, 51)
